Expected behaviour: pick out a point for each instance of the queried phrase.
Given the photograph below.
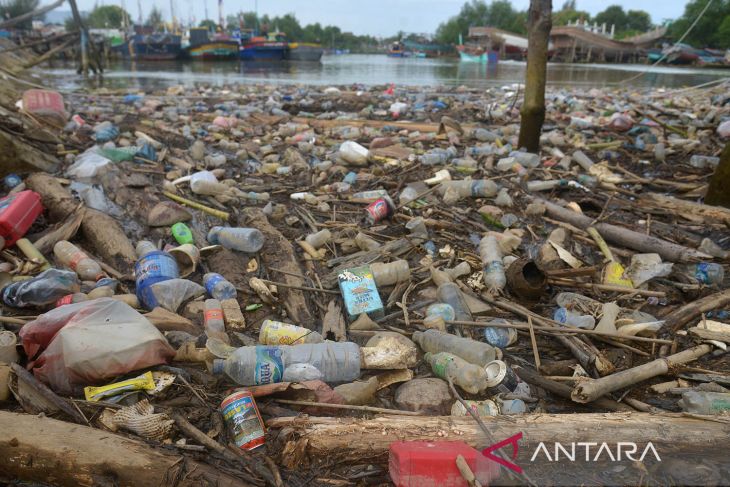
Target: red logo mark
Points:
(487, 452)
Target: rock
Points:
(430, 396)
(167, 213)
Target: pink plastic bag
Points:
(91, 342)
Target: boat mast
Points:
(205, 3)
(220, 13)
(172, 15)
(139, 8)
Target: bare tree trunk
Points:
(533, 107)
(719, 191)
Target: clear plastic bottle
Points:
(278, 333)
(476, 188)
(707, 273)
(43, 289)
(438, 156)
(318, 239)
(484, 135)
(144, 247)
(389, 274)
(205, 183)
(434, 341)
(527, 159)
(218, 287)
(354, 153)
(366, 243)
(494, 276)
(249, 366)
(235, 238)
(582, 160)
(480, 150)
(72, 257)
(213, 322)
(470, 377)
(570, 318)
(701, 402)
(449, 293)
(545, 185)
(702, 162)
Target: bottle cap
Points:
(218, 366)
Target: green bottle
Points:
(182, 233)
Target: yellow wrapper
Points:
(143, 382)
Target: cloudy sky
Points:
(374, 17)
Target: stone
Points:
(430, 396)
(167, 213)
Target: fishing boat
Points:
(150, 47)
(304, 51)
(204, 46)
(471, 53)
(396, 50)
(271, 47)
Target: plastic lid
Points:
(218, 366)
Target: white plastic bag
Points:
(91, 342)
(88, 164)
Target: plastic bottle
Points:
(72, 257)
(702, 162)
(484, 135)
(205, 183)
(318, 239)
(366, 243)
(354, 153)
(470, 377)
(476, 188)
(235, 238)
(480, 150)
(445, 311)
(707, 273)
(213, 322)
(582, 160)
(182, 233)
(494, 276)
(389, 274)
(526, 159)
(333, 361)
(278, 333)
(218, 287)
(44, 289)
(570, 318)
(434, 341)
(144, 247)
(545, 185)
(660, 152)
(701, 402)
(371, 195)
(450, 294)
(153, 267)
(437, 156)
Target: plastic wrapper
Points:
(90, 343)
(172, 293)
(44, 289)
(88, 165)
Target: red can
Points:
(17, 214)
(379, 210)
(244, 420)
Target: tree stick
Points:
(30, 15)
(587, 391)
(680, 317)
(350, 406)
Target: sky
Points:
(374, 17)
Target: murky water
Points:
(377, 69)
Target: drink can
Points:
(244, 420)
(380, 209)
(500, 377)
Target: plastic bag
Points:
(88, 164)
(91, 342)
(170, 294)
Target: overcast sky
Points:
(374, 17)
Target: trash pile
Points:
(290, 285)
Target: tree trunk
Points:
(39, 449)
(719, 191)
(533, 107)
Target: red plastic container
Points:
(433, 464)
(17, 214)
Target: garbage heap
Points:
(291, 285)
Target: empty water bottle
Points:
(707, 273)
(494, 276)
(527, 159)
(470, 377)
(570, 318)
(702, 402)
(702, 162)
(235, 238)
(44, 289)
(68, 255)
(484, 135)
(218, 287)
(213, 322)
(330, 362)
(434, 341)
(582, 160)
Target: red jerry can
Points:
(17, 214)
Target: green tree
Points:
(613, 15)
(208, 24)
(13, 8)
(499, 13)
(638, 20)
(711, 29)
(107, 17)
(154, 19)
(569, 13)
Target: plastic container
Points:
(704, 272)
(470, 377)
(449, 293)
(475, 188)
(235, 238)
(331, 362)
(700, 402)
(318, 239)
(182, 233)
(500, 337)
(392, 273)
(570, 318)
(153, 267)
(17, 213)
(494, 276)
(213, 322)
(353, 153)
(218, 287)
(42, 290)
(278, 333)
(702, 162)
(68, 255)
(472, 351)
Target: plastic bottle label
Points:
(440, 364)
(269, 365)
(701, 271)
(156, 265)
(77, 257)
(278, 333)
(213, 314)
(212, 281)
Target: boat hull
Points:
(490, 57)
(304, 52)
(150, 48)
(213, 51)
(266, 51)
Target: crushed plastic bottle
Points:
(570, 318)
(235, 238)
(213, 320)
(42, 290)
(494, 276)
(278, 333)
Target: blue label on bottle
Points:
(150, 269)
(269, 365)
(494, 266)
(701, 270)
(497, 337)
(561, 315)
(212, 280)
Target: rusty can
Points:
(243, 418)
(379, 210)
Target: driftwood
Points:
(107, 237)
(278, 252)
(689, 209)
(35, 397)
(625, 237)
(590, 390)
(39, 449)
(362, 440)
(680, 317)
